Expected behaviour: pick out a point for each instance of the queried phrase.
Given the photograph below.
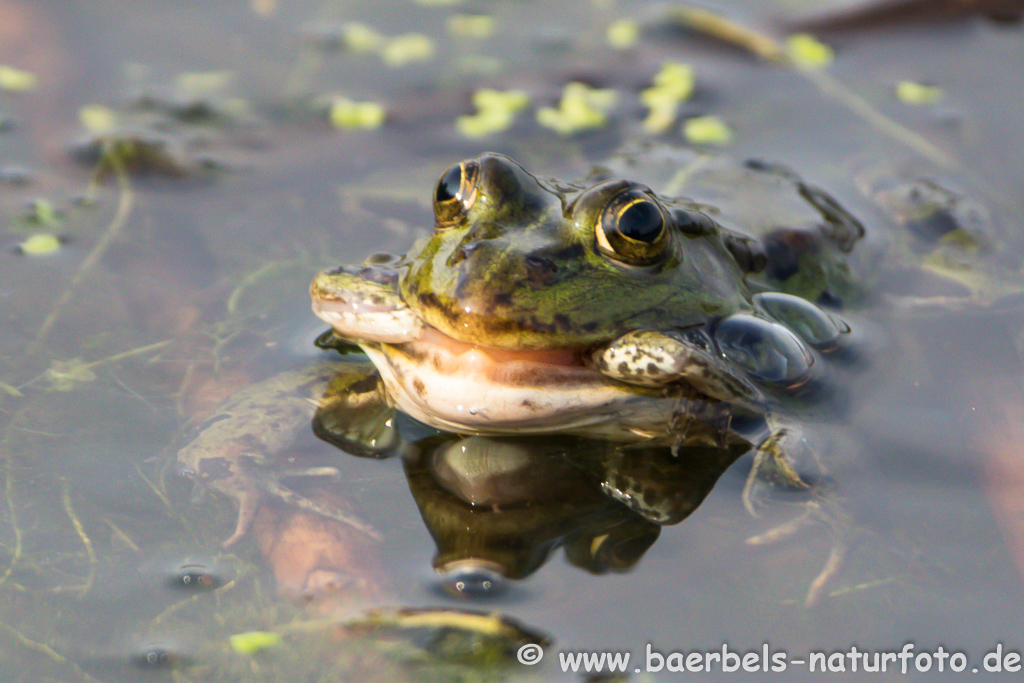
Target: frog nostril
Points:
(540, 265)
(463, 252)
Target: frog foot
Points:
(264, 484)
(841, 531)
(773, 465)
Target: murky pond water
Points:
(201, 162)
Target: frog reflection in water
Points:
(603, 310)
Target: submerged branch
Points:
(47, 651)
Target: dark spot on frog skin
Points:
(528, 404)
(420, 388)
(366, 385)
(463, 252)
(652, 369)
(212, 469)
(252, 444)
(540, 268)
(569, 254)
(216, 418)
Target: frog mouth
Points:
(395, 324)
(474, 389)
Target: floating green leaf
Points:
(96, 118)
(495, 111)
(16, 80)
(360, 37)
(580, 108)
(40, 243)
(910, 92)
(806, 50)
(707, 130)
(349, 114)
(673, 84)
(623, 34)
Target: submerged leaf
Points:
(477, 26)
(64, 374)
(412, 47)
(254, 641)
(623, 34)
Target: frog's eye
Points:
(455, 193)
(633, 228)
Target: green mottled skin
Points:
(522, 269)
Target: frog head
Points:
(518, 262)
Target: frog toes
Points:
(248, 504)
(773, 466)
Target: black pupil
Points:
(641, 222)
(449, 185)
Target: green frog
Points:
(604, 308)
(668, 299)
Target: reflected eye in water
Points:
(157, 655)
(195, 577)
(471, 579)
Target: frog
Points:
(234, 450)
(595, 308)
(604, 309)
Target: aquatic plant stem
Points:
(124, 208)
(46, 650)
(69, 509)
(765, 47)
(830, 87)
(13, 513)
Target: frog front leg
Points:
(649, 358)
(683, 365)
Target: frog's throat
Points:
(473, 390)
